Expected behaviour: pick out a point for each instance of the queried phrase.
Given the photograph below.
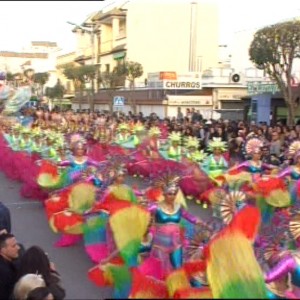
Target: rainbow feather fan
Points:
(270, 194)
(49, 177)
(177, 280)
(94, 235)
(129, 226)
(82, 197)
(66, 222)
(123, 192)
(122, 281)
(101, 275)
(146, 287)
(232, 269)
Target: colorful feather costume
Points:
(232, 269)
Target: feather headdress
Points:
(253, 145)
(123, 126)
(154, 131)
(168, 181)
(198, 156)
(191, 142)
(217, 143)
(75, 139)
(138, 127)
(167, 178)
(175, 136)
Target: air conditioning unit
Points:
(236, 77)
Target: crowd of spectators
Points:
(190, 122)
(25, 274)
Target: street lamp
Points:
(92, 32)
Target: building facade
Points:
(131, 31)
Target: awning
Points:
(69, 96)
(119, 55)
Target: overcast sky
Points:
(23, 22)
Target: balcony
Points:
(122, 34)
(106, 46)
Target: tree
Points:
(56, 92)
(131, 70)
(41, 79)
(9, 77)
(28, 75)
(80, 75)
(109, 81)
(274, 49)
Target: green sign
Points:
(261, 87)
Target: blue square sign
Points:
(119, 101)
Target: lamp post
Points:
(92, 31)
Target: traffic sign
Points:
(119, 101)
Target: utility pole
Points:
(94, 60)
(193, 37)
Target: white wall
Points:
(149, 109)
(158, 35)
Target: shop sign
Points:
(182, 85)
(261, 87)
(185, 101)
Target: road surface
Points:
(30, 226)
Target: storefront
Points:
(202, 103)
(275, 109)
(229, 102)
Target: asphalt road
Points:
(30, 226)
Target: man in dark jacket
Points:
(9, 252)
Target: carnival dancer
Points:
(195, 181)
(30, 188)
(102, 135)
(152, 160)
(269, 192)
(254, 165)
(168, 237)
(13, 138)
(288, 265)
(215, 164)
(292, 173)
(118, 189)
(175, 149)
(153, 144)
(124, 137)
(77, 167)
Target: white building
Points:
(39, 56)
(177, 36)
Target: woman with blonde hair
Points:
(26, 284)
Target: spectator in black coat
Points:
(9, 251)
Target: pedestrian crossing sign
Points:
(119, 101)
